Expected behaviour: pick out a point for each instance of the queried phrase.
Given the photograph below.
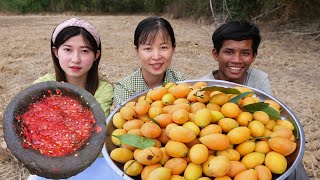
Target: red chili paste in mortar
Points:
(56, 125)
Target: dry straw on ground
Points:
(291, 60)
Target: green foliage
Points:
(244, 8)
(176, 8)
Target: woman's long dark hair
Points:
(92, 81)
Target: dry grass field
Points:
(291, 59)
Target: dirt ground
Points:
(291, 59)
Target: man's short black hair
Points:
(237, 30)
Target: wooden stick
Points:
(268, 12)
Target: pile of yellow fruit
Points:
(199, 134)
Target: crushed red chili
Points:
(56, 125)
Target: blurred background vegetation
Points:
(210, 10)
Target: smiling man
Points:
(235, 48)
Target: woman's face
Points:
(75, 58)
(156, 56)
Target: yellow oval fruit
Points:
(154, 111)
(177, 165)
(230, 110)
(169, 127)
(244, 118)
(192, 126)
(243, 89)
(218, 166)
(216, 116)
(219, 99)
(182, 134)
(257, 128)
(177, 177)
(263, 172)
(198, 153)
(239, 135)
(180, 91)
(202, 117)
(210, 129)
(253, 159)
(270, 124)
(133, 124)
(148, 169)
(282, 132)
(145, 98)
(222, 178)
(206, 163)
(213, 107)
(168, 99)
(157, 103)
(157, 93)
(247, 101)
(117, 132)
(273, 104)
(231, 154)
(199, 85)
(215, 141)
(164, 119)
(285, 123)
(176, 149)
(192, 171)
(282, 145)
(181, 100)
(245, 148)
(262, 147)
(136, 132)
(261, 116)
(227, 124)
(148, 156)
(121, 155)
(185, 106)
(142, 107)
(192, 95)
(196, 106)
(180, 116)
(276, 162)
(150, 130)
(132, 168)
(128, 113)
(118, 121)
(160, 173)
(236, 167)
(203, 96)
(249, 174)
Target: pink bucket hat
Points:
(78, 23)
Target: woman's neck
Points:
(81, 82)
(153, 80)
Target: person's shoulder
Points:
(105, 84)
(209, 76)
(176, 75)
(258, 72)
(45, 78)
(129, 77)
(127, 81)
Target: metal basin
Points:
(293, 159)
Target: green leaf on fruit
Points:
(261, 106)
(238, 97)
(221, 89)
(153, 120)
(136, 141)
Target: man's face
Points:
(234, 58)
